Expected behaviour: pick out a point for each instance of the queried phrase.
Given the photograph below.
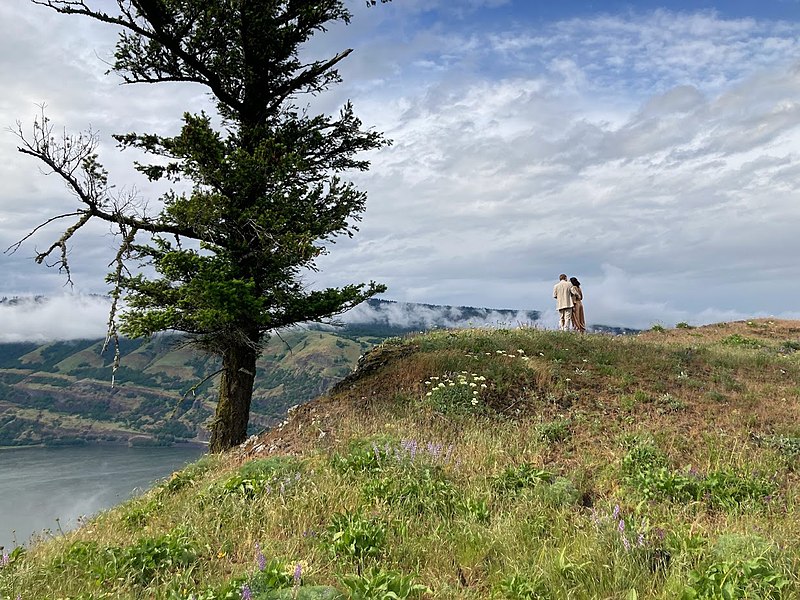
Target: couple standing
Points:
(569, 301)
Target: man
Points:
(562, 293)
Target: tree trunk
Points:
(235, 393)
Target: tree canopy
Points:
(266, 194)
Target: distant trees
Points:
(266, 192)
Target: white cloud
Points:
(61, 317)
(666, 144)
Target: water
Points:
(40, 485)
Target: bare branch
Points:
(74, 159)
(15, 246)
(111, 332)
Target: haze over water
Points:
(40, 485)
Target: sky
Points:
(651, 149)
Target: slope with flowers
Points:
(516, 464)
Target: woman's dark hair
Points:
(574, 281)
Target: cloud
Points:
(63, 317)
(663, 144)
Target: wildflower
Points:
(5, 560)
(615, 514)
(626, 543)
(640, 540)
(261, 560)
(246, 593)
(298, 573)
(621, 526)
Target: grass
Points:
(659, 466)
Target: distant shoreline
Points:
(120, 444)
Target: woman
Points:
(578, 318)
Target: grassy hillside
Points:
(515, 464)
(60, 393)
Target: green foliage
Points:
(148, 559)
(683, 325)
(739, 341)
(520, 587)
(275, 575)
(658, 328)
(645, 469)
(787, 445)
(364, 455)
(278, 474)
(355, 537)
(730, 580)
(554, 431)
(421, 489)
(456, 393)
(378, 584)
(515, 479)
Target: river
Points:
(50, 488)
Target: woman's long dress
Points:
(578, 318)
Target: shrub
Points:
(456, 393)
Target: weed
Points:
(353, 536)
(520, 587)
(515, 479)
(741, 341)
(378, 584)
(554, 431)
(753, 578)
(645, 469)
(264, 476)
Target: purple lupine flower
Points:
(246, 593)
(261, 560)
(621, 527)
(626, 543)
(615, 514)
(5, 560)
(640, 540)
(298, 574)
(376, 451)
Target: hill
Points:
(516, 464)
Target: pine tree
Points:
(266, 188)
